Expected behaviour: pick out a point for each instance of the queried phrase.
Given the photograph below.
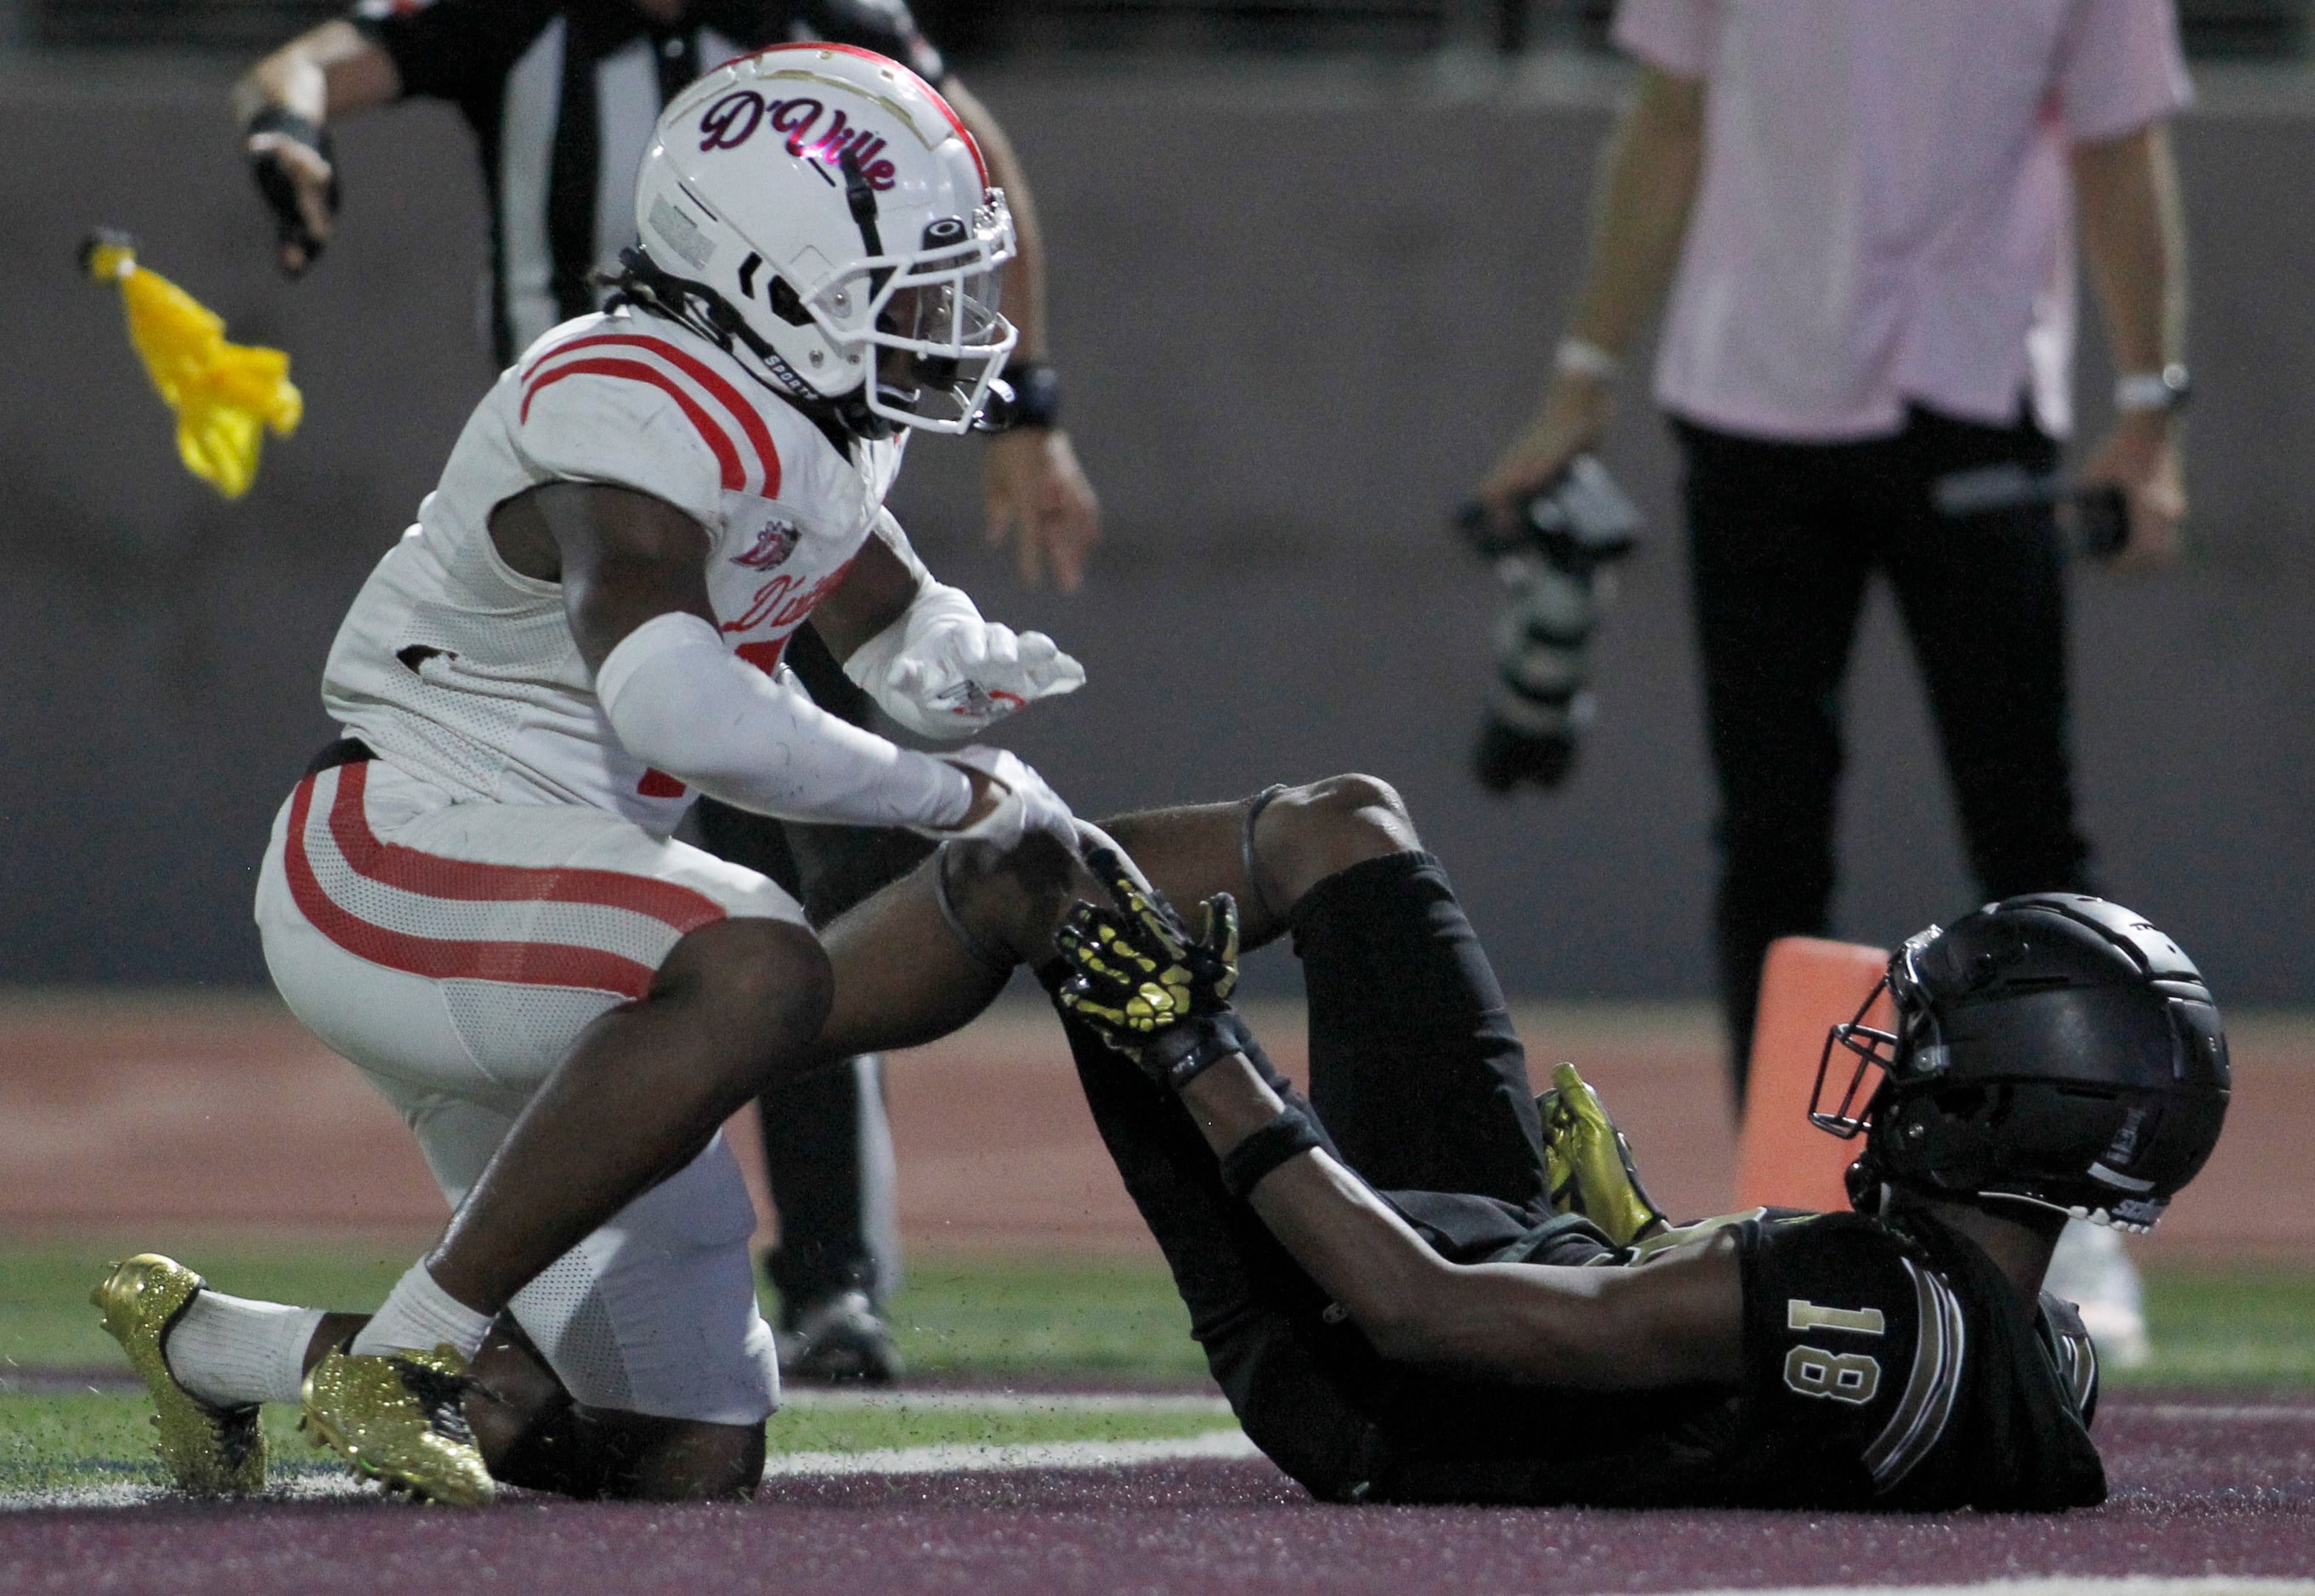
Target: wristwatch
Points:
(2166, 389)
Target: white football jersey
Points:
(464, 673)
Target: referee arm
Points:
(1037, 495)
(332, 71)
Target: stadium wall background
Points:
(1299, 306)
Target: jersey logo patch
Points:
(773, 546)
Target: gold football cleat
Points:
(1588, 1162)
(208, 1451)
(397, 1417)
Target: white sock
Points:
(231, 1351)
(418, 1316)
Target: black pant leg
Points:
(1414, 1067)
(827, 1152)
(1291, 1379)
(1777, 568)
(1983, 599)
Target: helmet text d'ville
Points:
(735, 119)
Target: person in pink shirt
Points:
(1867, 214)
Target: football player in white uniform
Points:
(475, 896)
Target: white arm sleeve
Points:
(683, 704)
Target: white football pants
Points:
(453, 952)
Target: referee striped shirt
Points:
(562, 96)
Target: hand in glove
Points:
(942, 670)
(1144, 981)
(1024, 803)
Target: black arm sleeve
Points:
(884, 26)
(453, 50)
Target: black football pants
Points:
(1421, 1087)
(827, 1151)
(1781, 539)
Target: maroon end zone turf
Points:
(2212, 1486)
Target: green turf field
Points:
(2246, 1327)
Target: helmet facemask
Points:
(2051, 1051)
(929, 320)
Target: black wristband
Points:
(1265, 1150)
(1034, 397)
(1179, 1054)
(305, 130)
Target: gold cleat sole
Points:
(208, 1451)
(397, 1419)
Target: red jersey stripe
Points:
(759, 436)
(469, 880)
(531, 963)
(735, 476)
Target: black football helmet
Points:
(2052, 1049)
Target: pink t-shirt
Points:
(1885, 214)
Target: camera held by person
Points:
(1555, 560)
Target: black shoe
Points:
(838, 1339)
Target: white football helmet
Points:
(821, 212)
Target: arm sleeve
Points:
(452, 49)
(683, 704)
(1676, 35)
(2119, 67)
(884, 26)
(618, 425)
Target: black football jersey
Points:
(1887, 1366)
(1890, 1367)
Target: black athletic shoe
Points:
(838, 1339)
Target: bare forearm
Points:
(329, 72)
(1596, 1329)
(1639, 208)
(2134, 244)
(1024, 275)
(1360, 1253)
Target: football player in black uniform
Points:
(1418, 1286)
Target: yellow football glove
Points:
(1146, 984)
(1589, 1164)
(226, 395)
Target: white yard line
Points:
(1086, 1402)
(2188, 1411)
(324, 1485)
(1044, 1454)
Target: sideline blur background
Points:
(1308, 257)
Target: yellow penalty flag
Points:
(225, 394)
